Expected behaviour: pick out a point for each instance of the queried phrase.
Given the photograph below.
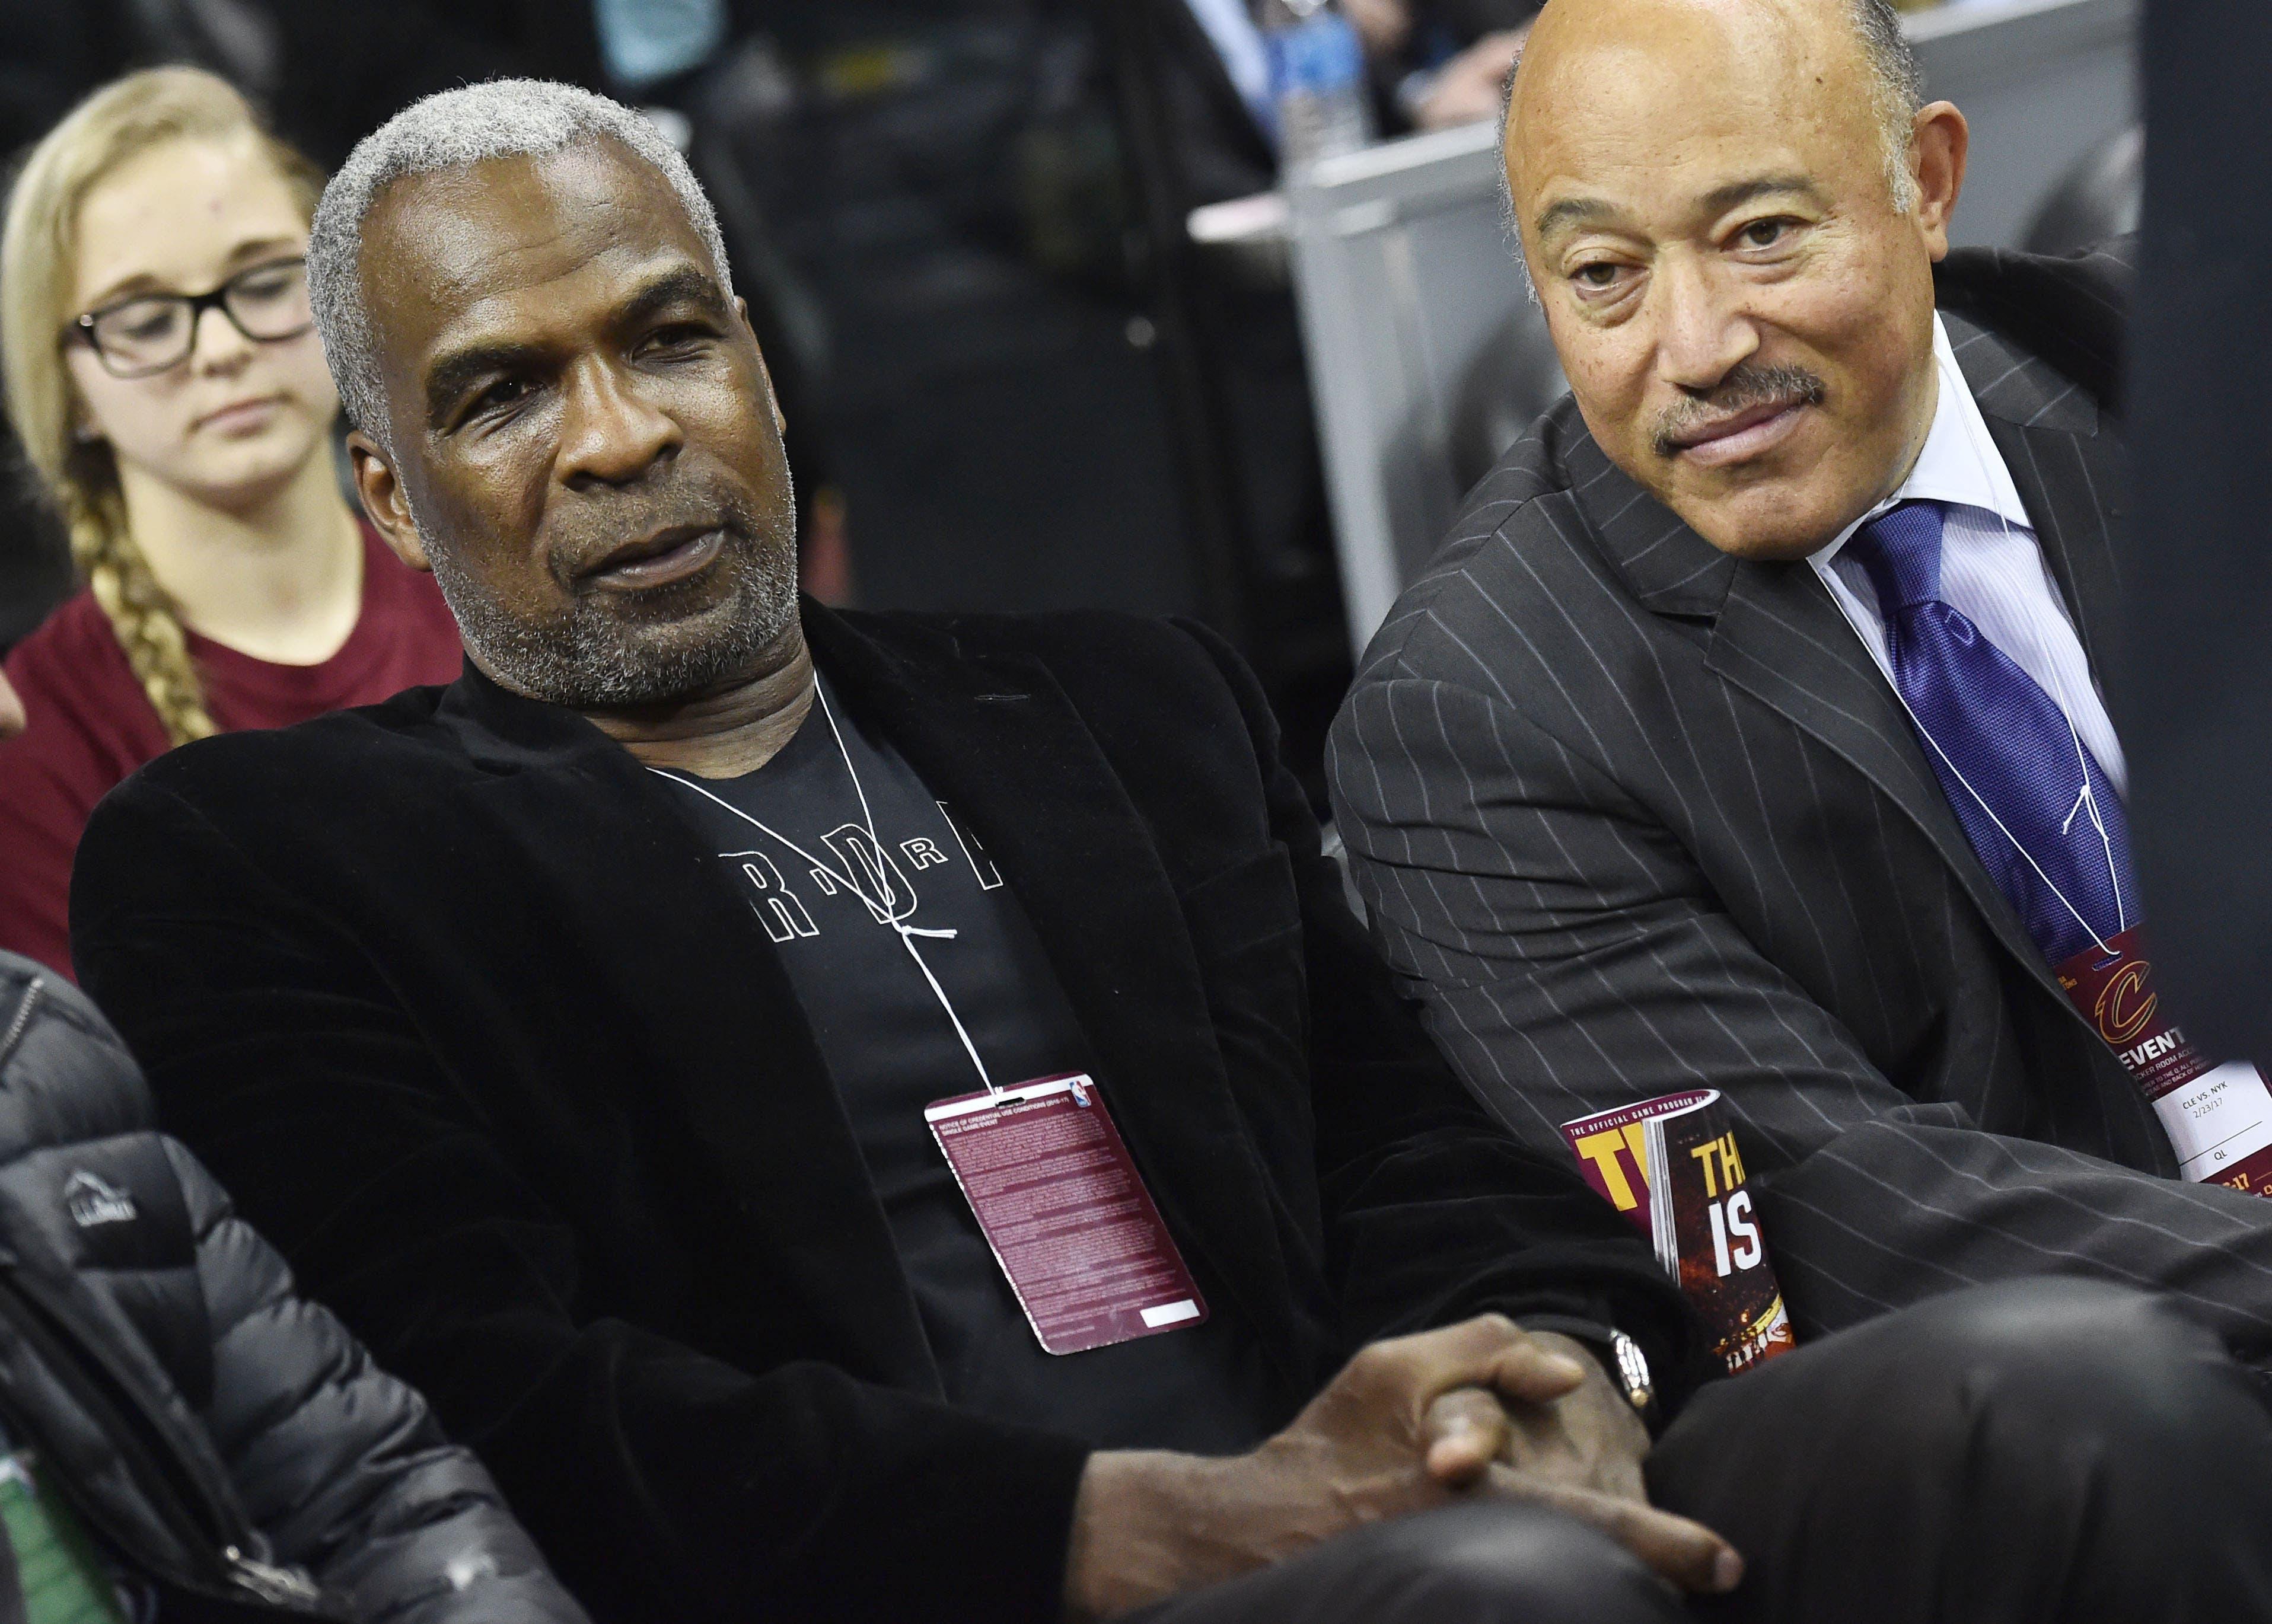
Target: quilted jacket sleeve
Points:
(341, 1465)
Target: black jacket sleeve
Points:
(663, 1483)
(341, 1465)
(1433, 1211)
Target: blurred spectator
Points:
(1195, 103)
(165, 379)
(1454, 56)
(937, 192)
(646, 44)
(1439, 63)
(1467, 88)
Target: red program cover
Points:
(1670, 1164)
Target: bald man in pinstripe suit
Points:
(1746, 732)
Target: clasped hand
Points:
(1480, 1408)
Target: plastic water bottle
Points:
(1316, 81)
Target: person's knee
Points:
(2078, 1340)
(2089, 1362)
(1513, 1564)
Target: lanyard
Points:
(2087, 800)
(883, 907)
(2084, 803)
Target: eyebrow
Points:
(685, 285)
(458, 370)
(1735, 194)
(145, 282)
(1572, 211)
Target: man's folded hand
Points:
(1480, 1408)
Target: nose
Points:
(217, 345)
(1702, 334)
(610, 436)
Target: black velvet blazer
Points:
(470, 1019)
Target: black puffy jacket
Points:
(225, 1438)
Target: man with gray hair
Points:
(1747, 734)
(889, 1116)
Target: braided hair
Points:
(78, 475)
(142, 615)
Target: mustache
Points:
(1746, 387)
(592, 532)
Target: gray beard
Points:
(590, 660)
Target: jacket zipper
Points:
(198, 1522)
(16, 1027)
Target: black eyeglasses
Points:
(138, 337)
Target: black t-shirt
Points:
(794, 837)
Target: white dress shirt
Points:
(1991, 566)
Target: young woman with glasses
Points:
(163, 373)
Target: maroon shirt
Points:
(90, 724)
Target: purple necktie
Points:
(2011, 766)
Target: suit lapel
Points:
(716, 1012)
(1781, 640)
(998, 740)
(1779, 636)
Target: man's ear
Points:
(384, 501)
(1938, 141)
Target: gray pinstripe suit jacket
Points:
(1632, 817)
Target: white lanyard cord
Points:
(1925, 733)
(2088, 798)
(907, 933)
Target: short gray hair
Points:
(452, 129)
(1897, 86)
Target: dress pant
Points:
(2043, 1449)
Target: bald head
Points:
(1895, 83)
(1730, 210)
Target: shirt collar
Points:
(1960, 464)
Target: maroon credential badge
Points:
(1066, 1212)
(2219, 1118)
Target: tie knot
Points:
(1900, 551)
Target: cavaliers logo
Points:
(2124, 1005)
